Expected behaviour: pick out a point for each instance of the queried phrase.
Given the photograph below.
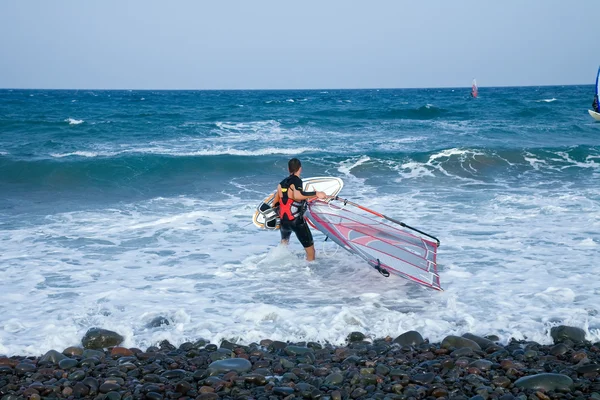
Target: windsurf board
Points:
(328, 184)
(594, 115)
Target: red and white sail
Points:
(387, 245)
(474, 90)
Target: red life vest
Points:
(286, 204)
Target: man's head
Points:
(294, 165)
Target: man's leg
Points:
(285, 232)
(305, 237)
(310, 253)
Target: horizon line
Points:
(307, 89)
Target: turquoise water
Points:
(117, 206)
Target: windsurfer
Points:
(595, 104)
(292, 202)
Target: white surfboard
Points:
(328, 184)
(594, 115)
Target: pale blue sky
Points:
(277, 44)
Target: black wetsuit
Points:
(296, 224)
(595, 104)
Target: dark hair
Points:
(294, 165)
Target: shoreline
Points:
(406, 367)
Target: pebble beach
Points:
(466, 367)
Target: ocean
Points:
(121, 207)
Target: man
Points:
(595, 104)
(292, 203)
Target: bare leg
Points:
(310, 253)
(285, 242)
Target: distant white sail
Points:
(595, 112)
(598, 83)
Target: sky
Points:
(308, 44)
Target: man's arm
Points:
(277, 197)
(299, 195)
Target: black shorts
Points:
(300, 228)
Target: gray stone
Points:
(369, 379)
(484, 365)
(424, 379)
(113, 396)
(297, 350)
(559, 349)
(73, 351)
(545, 382)
(256, 379)
(89, 353)
(221, 354)
(334, 379)
(158, 322)
(238, 365)
(355, 337)
(109, 387)
(482, 342)
(287, 364)
(97, 338)
(24, 367)
(459, 342)
(80, 390)
(52, 356)
(563, 332)
(304, 389)
(283, 390)
(410, 338)
(77, 375)
(203, 396)
(68, 363)
(585, 369)
(382, 370)
(174, 374)
(462, 352)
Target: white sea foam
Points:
(256, 126)
(87, 154)
(217, 151)
(347, 166)
(412, 170)
(590, 163)
(198, 264)
(546, 100)
(437, 161)
(535, 162)
(73, 121)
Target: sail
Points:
(598, 83)
(595, 111)
(387, 247)
(474, 90)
